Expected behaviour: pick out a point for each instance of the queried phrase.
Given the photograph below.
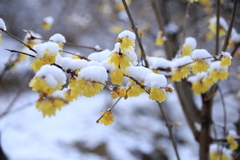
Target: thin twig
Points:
(224, 112)
(156, 9)
(217, 28)
(109, 109)
(169, 130)
(16, 110)
(66, 43)
(186, 18)
(135, 29)
(230, 25)
(18, 40)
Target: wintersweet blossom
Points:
(48, 79)
(160, 39)
(157, 95)
(47, 22)
(59, 39)
(180, 74)
(189, 45)
(89, 82)
(134, 90)
(107, 118)
(127, 41)
(226, 59)
(118, 92)
(46, 54)
(200, 66)
(117, 76)
(119, 60)
(49, 106)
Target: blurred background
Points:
(138, 131)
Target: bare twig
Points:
(230, 25)
(17, 109)
(135, 29)
(217, 28)
(66, 43)
(186, 18)
(156, 9)
(18, 40)
(224, 111)
(11, 50)
(169, 130)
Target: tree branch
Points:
(230, 25)
(135, 29)
(169, 130)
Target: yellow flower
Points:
(186, 50)
(215, 156)
(121, 91)
(39, 85)
(117, 76)
(118, 92)
(114, 94)
(160, 39)
(230, 139)
(107, 118)
(135, 90)
(157, 95)
(233, 145)
(218, 75)
(75, 88)
(208, 81)
(119, 60)
(200, 66)
(178, 75)
(48, 107)
(90, 88)
(126, 44)
(39, 62)
(199, 87)
(225, 61)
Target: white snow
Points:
(216, 66)
(201, 54)
(155, 80)
(133, 56)
(2, 24)
(107, 66)
(97, 47)
(197, 77)
(53, 75)
(191, 41)
(138, 72)
(233, 133)
(171, 28)
(181, 61)
(99, 56)
(47, 47)
(94, 73)
(57, 37)
(49, 20)
(127, 33)
(158, 62)
(59, 93)
(227, 54)
(73, 64)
